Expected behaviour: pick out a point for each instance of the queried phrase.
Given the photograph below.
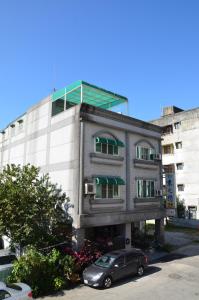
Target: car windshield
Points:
(105, 261)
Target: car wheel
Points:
(140, 271)
(107, 282)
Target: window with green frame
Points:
(107, 191)
(106, 149)
(145, 188)
(145, 153)
(107, 146)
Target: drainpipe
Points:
(81, 160)
(81, 166)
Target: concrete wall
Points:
(49, 143)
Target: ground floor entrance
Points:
(108, 238)
(118, 236)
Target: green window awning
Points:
(109, 180)
(109, 141)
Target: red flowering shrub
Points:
(86, 255)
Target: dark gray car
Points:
(114, 266)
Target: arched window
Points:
(145, 151)
(107, 145)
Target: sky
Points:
(146, 50)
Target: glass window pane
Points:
(104, 191)
(142, 153)
(98, 147)
(147, 154)
(148, 188)
(151, 154)
(119, 261)
(138, 152)
(110, 149)
(179, 166)
(110, 191)
(180, 187)
(98, 191)
(152, 189)
(139, 188)
(116, 150)
(144, 188)
(104, 148)
(177, 125)
(178, 145)
(116, 191)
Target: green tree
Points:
(180, 207)
(31, 207)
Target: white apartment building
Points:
(107, 163)
(180, 154)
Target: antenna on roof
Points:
(54, 77)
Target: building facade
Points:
(180, 154)
(107, 163)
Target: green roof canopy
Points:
(109, 180)
(103, 140)
(83, 92)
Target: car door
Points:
(131, 261)
(118, 270)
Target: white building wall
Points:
(188, 134)
(46, 142)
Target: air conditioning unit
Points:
(90, 188)
(158, 193)
(157, 156)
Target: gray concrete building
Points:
(107, 163)
(180, 154)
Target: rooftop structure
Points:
(83, 92)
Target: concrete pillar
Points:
(159, 230)
(78, 238)
(142, 226)
(128, 236)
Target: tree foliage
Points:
(31, 207)
(45, 273)
(180, 208)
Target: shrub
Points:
(70, 269)
(180, 208)
(85, 256)
(51, 272)
(44, 273)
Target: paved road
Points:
(180, 238)
(174, 278)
